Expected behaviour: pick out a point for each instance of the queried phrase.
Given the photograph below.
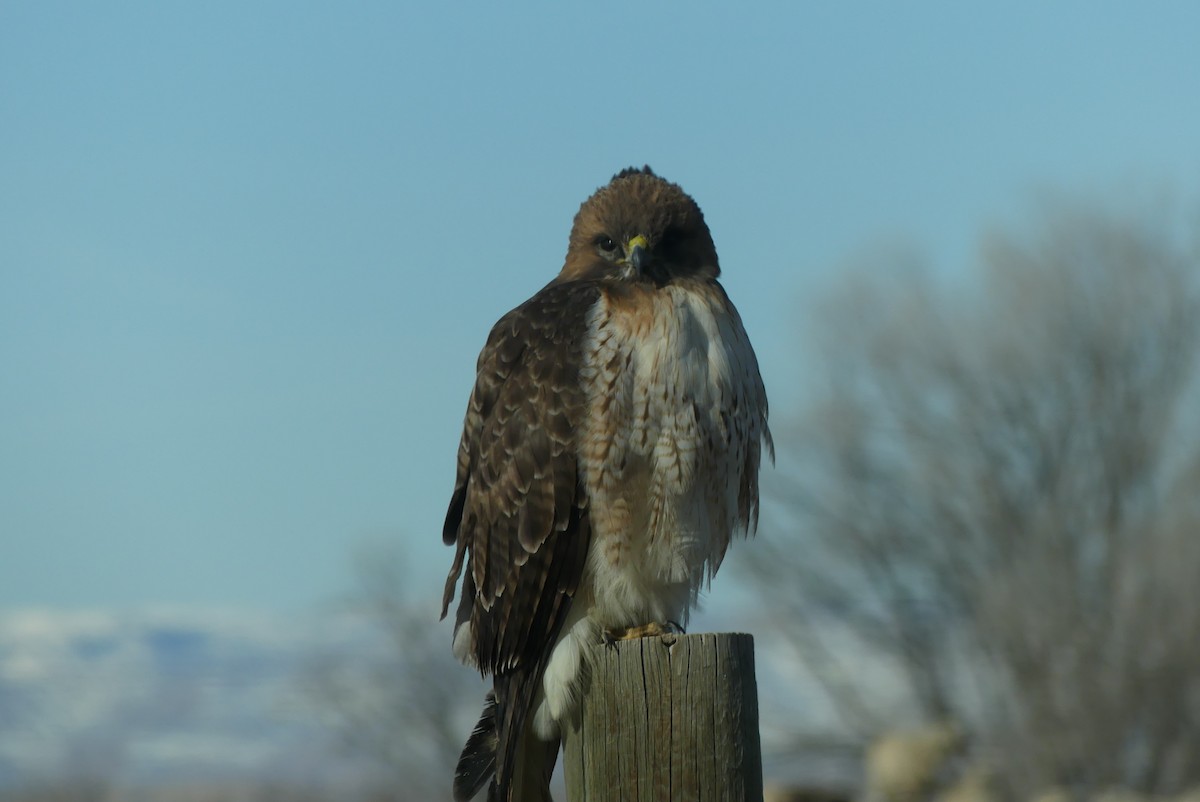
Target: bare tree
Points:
(393, 693)
(997, 490)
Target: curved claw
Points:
(651, 630)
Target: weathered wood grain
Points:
(665, 719)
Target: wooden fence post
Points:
(666, 719)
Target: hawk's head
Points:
(640, 228)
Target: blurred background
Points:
(249, 253)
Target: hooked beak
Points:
(637, 253)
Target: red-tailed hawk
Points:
(610, 453)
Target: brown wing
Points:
(518, 513)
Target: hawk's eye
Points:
(606, 245)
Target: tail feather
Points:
(515, 694)
(535, 766)
(504, 748)
(478, 761)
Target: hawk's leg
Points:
(651, 630)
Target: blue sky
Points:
(249, 251)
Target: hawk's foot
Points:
(651, 630)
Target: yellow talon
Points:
(651, 630)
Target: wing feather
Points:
(518, 515)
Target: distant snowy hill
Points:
(169, 696)
(147, 696)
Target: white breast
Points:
(676, 410)
(673, 393)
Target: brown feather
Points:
(517, 512)
(552, 434)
